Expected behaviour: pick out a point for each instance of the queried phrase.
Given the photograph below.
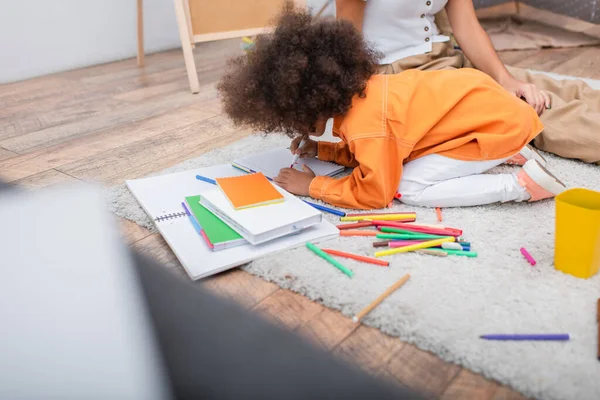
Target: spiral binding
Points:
(168, 217)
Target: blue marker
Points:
(205, 179)
(551, 336)
(326, 209)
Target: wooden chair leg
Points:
(188, 54)
(140, 33)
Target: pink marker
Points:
(528, 256)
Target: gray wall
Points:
(38, 37)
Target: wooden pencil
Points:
(356, 257)
(381, 297)
(355, 225)
(352, 232)
(433, 253)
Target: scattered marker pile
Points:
(399, 233)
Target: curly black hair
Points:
(304, 71)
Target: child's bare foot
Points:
(539, 182)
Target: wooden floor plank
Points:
(99, 142)
(241, 286)
(141, 158)
(131, 231)
(288, 309)
(154, 246)
(369, 349)
(46, 178)
(421, 370)
(30, 90)
(328, 328)
(114, 115)
(11, 129)
(469, 384)
(505, 393)
(4, 154)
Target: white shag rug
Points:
(449, 302)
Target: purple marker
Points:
(550, 336)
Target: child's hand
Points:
(309, 150)
(294, 181)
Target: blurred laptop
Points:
(73, 321)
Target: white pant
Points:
(438, 181)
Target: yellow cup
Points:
(577, 246)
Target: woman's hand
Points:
(309, 150)
(538, 99)
(294, 181)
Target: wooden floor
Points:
(114, 122)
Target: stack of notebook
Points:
(214, 227)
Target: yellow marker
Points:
(387, 217)
(418, 246)
(246, 39)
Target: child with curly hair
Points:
(429, 135)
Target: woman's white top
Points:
(402, 28)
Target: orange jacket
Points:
(463, 114)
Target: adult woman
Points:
(405, 31)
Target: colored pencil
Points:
(543, 336)
(438, 211)
(205, 179)
(433, 253)
(418, 228)
(352, 232)
(598, 320)
(528, 256)
(378, 214)
(417, 246)
(329, 259)
(355, 225)
(400, 236)
(326, 209)
(381, 297)
(383, 243)
(391, 217)
(356, 257)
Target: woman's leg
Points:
(438, 181)
(572, 124)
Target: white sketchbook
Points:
(161, 198)
(272, 161)
(261, 224)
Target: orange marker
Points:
(356, 257)
(355, 225)
(439, 213)
(351, 232)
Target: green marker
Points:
(329, 259)
(396, 230)
(460, 253)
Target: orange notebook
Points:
(251, 190)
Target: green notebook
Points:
(217, 233)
